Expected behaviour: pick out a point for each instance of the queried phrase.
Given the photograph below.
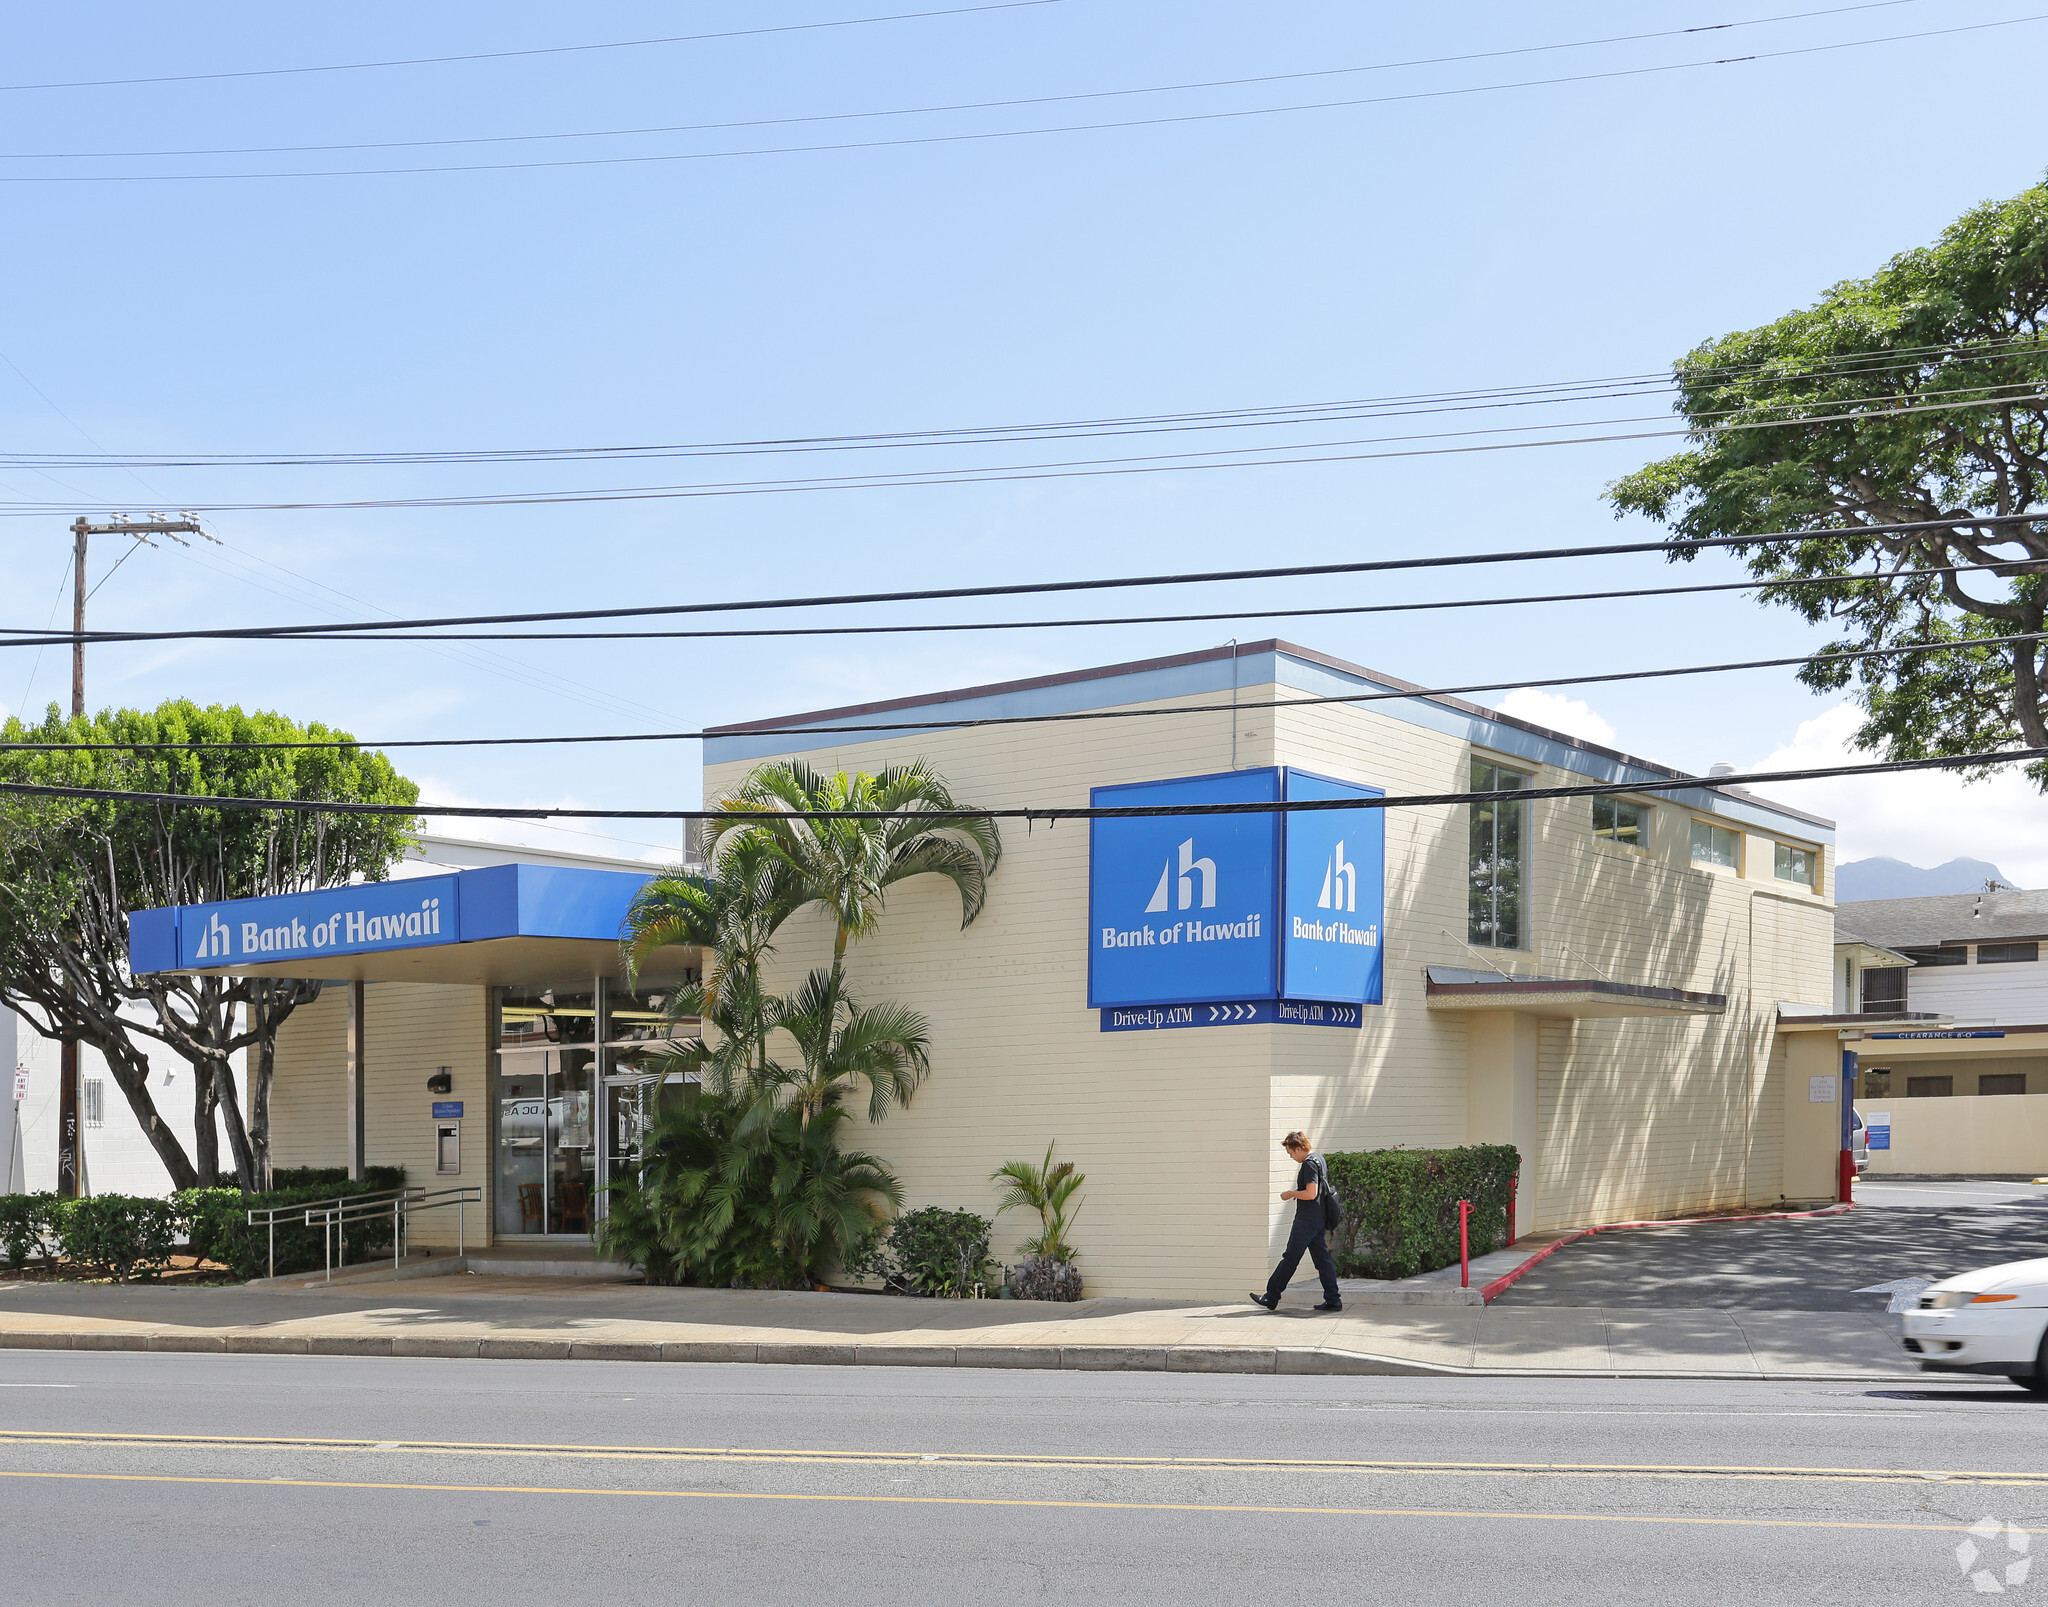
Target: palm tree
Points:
(888, 1047)
(1044, 1188)
(848, 866)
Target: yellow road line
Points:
(994, 1460)
(1003, 1501)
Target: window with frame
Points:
(1884, 988)
(1499, 855)
(1930, 1087)
(2002, 1082)
(1950, 954)
(2008, 953)
(1616, 820)
(92, 1101)
(1716, 846)
(1791, 863)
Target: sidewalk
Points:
(469, 1315)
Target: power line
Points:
(1030, 588)
(1401, 694)
(1054, 813)
(1071, 469)
(544, 50)
(1165, 424)
(1001, 134)
(899, 111)
(1126, 619)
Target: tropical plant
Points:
(887, 1047)
(1047, 1189)
(1916, 396)
(736, 1193)
(70, 869)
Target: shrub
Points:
(734, 1193)
(932, 1252)
(124, 1234)
(26, 1222)
(218, 1227)
(1401, 1206)
(1045, 1278)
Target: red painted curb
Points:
(1491, 1291)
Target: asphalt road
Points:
(223, 1480)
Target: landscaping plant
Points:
(1049, 1272)
(932, 1252)
(26, 1220)
(1401, 1206)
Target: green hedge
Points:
(219, 1227)
(1401, 1206)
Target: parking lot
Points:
(1903, 1229)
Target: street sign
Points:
(20, 1084)
(1233, 1013)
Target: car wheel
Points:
(2036, 1382)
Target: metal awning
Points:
(1454, 987)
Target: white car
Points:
(1993, 1320)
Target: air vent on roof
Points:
(1720, 767)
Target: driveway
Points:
(1899, 1230)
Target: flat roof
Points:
(762, 738)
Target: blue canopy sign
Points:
(1262, 912)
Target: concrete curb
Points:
(1284, 1361)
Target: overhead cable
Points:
(1069, 469)
(1069, 624)
(1054, 813)
(1031, 588)
(542, 50)
(1002, 134)
(1401, 694)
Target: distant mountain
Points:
(1894, 878)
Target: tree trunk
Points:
(205, 1135)
(231, 1115)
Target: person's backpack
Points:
(1333, 1207)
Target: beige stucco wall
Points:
(1177, 1130)
(2003, 1133)
(410, 1030)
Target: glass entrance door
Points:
(547, 1163)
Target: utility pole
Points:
(117, 525)
(70, 1130)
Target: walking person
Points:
(1311, 1223)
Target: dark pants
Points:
(1308, 1236)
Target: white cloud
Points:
(1922, 817)
(1555, 712)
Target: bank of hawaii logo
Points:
(1340, 883)
(1191, 868)
(214, 945)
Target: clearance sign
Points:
(1244, 915)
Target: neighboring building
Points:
(1976, 964)
(1604, 983)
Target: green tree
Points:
(71, 869)
(1918, 394)
(887, 1047)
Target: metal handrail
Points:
(333, 1216)
(269, 1215)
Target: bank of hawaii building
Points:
(1628, 989)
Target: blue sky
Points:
(1519, 236)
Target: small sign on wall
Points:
(1877, 1129)
(447, 1110)
(1821, 1090)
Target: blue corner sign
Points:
(1195, 919)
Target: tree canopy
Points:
(71, 868)
(1917, 394)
